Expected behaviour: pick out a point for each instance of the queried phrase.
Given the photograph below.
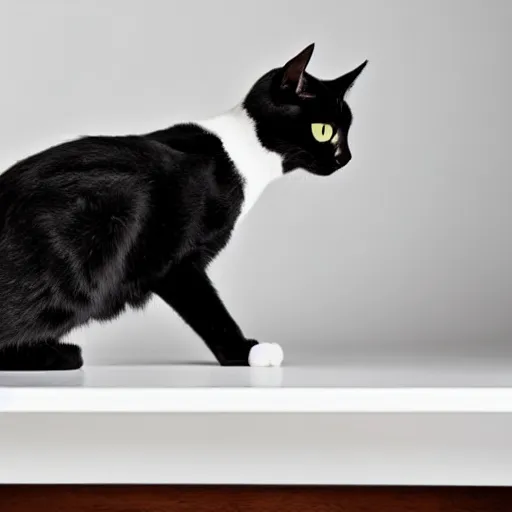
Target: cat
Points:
(96, 224)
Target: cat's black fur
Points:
(91, 226)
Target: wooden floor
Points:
(251, 499)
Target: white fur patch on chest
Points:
(257, 165)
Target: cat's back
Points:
(93, 170)
(94, 193)
(120, 154)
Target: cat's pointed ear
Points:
(345, 82)
(294, 69)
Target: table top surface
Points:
(370, 385)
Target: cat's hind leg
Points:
(47, 355)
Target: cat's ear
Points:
(345, 82)
(293, 72)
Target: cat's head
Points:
(304, 119)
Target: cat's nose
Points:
(343, 158)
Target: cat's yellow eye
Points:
(322, 132)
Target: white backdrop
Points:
(407, 250)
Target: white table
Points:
(427, 421)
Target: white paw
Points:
(266, 354)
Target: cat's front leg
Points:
(189, 291)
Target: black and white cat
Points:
(91, 226)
